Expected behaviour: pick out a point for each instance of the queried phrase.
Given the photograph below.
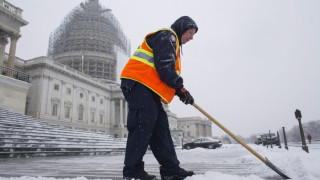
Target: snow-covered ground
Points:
(295, 163)
(230, 162)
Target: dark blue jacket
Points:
(164, 51)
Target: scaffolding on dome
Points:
(88, 40)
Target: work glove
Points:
(184, 95)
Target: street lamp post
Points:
(303, 139)
(285, 139)
(279, 143)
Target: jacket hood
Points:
(183, 24)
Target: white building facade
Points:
(69, 98)
(194, 127)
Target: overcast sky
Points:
(250, 66)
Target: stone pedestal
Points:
(13, 94)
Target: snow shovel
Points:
(264, 160)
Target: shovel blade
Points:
(277, 170)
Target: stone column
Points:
(125, 112)
(121, 113)
(49, 93)
(87, 107)
(112, 114)
(74, 104)
(62, 113)
(108, 114)
(12, 53)
(3, 43)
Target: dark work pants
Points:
(147, 125)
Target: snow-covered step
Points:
(24, 136)
(49, 134)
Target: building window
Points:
(54, 109)
(80, 113)
(67, 112)
(56, 87)
(101, 118)
(93, 98)
(68, 91)
(81, 95)
(101, 101)
(92, 117)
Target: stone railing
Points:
(14, 74)
(11, 7)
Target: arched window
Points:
(80, 112)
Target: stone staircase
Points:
(24, 136)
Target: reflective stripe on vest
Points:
(144, 56)
(141, 68)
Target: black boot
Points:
(142, 176)
(179, 175)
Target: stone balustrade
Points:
(11, 7)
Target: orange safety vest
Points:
(140, 67)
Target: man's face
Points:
(188, 35)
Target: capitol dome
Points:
(88, 40)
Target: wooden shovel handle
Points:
(230, 133)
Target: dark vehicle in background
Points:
(204, 142)
(265, 139)
(258, 140)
